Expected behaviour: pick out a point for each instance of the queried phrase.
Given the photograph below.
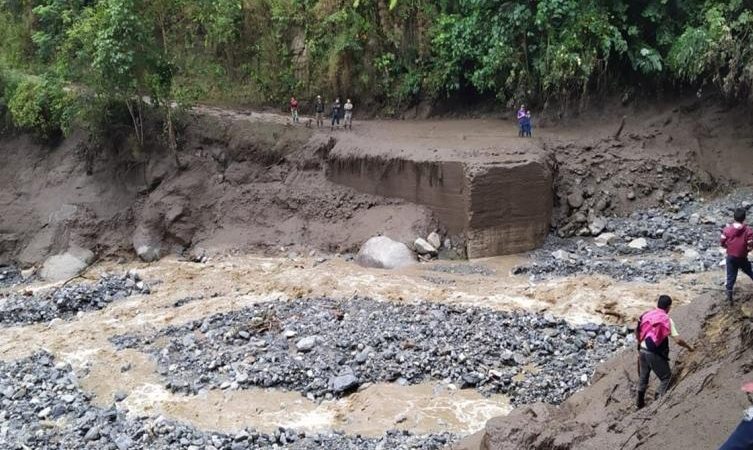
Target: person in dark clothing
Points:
(742, 437)
(336, 107)
(319, 110)
(527, 125)
(737, 238)
(654, 329)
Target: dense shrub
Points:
(390, 53)
(41, 106)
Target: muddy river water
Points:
(232, 283)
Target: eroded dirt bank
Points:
(699, 411)
(251, 182)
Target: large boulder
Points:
(66, 265)
(147, 242)
(382, 252)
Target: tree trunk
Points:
(172, 141)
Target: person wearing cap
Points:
(319, 110)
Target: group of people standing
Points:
(336, 111)
(656, 328)
(524, 122)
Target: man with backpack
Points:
(737, 238)
(655, 327)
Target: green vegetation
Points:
(388, 54)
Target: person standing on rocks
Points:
(336, 113)
(348, 114)
(655, 327)
(319, 110)
(294, 109)
(737, 238)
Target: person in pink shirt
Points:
(294, 109)
(737, 238)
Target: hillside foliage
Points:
(387, 54)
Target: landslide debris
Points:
(702, 407)
(647, 245)
(67, 301)
(42, 406)
(326, 348)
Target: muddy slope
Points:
(700, 410)
(245, 185)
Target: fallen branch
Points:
(619, 130)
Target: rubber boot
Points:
(729, 297)
(641, 400)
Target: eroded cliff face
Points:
(509, 206)
(496, 204)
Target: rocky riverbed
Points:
(68, 300)
(9, 276)
(645, 246)
(43, 407)
(325, 348)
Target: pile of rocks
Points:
(42, 407)
(10, 276)
(645, 246)
(65, 302)
(325, 348)
(435, 247)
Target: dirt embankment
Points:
(251, 181)
(247, 184)
(700, 410)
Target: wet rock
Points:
(575, 199)
(605, 239)
(562, 255)
(66, 265)
(690, 253)
(434, 240)
(424, 248)
(597, 225)
(92, 434)
(383, 253)
(638, 244)
(306, 344)
(147, 242)
(343, 383)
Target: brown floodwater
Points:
(235, 282)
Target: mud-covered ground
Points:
(215, 346)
